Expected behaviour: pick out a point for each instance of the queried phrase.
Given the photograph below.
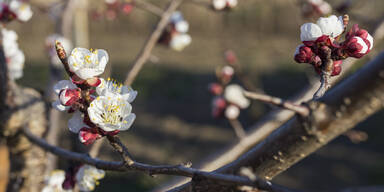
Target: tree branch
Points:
(145, 52)
(130, 165)
(339, 110)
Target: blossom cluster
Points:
(325, 36)
(228, 98)
(15, 9)
(85, 177)
(13, 55)
(315, 8)
(100, 107)
(113, 8)
(223, 4)
(175, 35)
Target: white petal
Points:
(310, 32)
(86, 73)
(363, 44)
(182, 26)
(331, 26)
(103, 58)
(63, 84)
(57, 105)
(180, 41)
(232, 112)
(128, 121)
(101, 87)
(75, 123)
(370, 39)
(234, 94)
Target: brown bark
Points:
(351, 102)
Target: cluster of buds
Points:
(86, 177)
(100, 107)
(220, 5)
(175, 34)
(228, 98)
(13, 55)
(15, 9)
(113, 8)
(51, 49)
(315, 8)
(322, 44)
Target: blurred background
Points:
(173, 107)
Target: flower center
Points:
(112, 113)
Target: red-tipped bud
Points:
(230, 57)
(303, 54)
(215, 89)
(93, 82)
(336, 67)
(68, 97)
(88, 135)
(356, 47)
(218, 106)
(127, 8)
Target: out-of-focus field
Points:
(173, 122)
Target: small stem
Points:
(149, 7)
(300, 109)
(237, 127)
(120, 148)
(145, 52)
(326, 71)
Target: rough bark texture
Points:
(21, 107)
(351, 102)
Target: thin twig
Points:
(145, 52)
(300, 109)
(237, 127)
(177, 170)
(149, 7)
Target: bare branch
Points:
(145, 52)
(237, 127)
(130, 165)
(299, 109)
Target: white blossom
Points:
(180, 41)
(63, 84)
(234, 94)
(87, 177)
(370, 39)
(111, 113)
(182, 26)
(53, 183)
(331, 26)
(111, 88)
(14, 56)
(87, 63)
(219, 4)
(176, 16)
(22, 10)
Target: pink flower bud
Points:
(336, 67)
(88, 135)
(215, 88)
(230, 57)
(68, 97)
(303, 54)
(218, 106)
(356, 47)
(227, 73)
(127, 8)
